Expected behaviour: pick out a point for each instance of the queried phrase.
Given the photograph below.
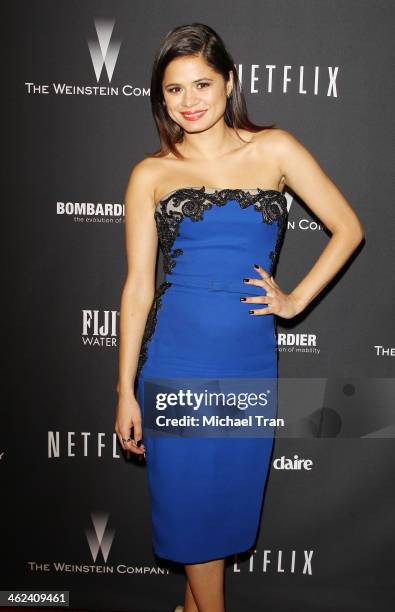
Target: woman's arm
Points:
(141, 242)
(305, 176)
(307, 179)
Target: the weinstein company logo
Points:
(99, 537)
(99, 327)
(104, 50)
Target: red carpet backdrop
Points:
(75, 509)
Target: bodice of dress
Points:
(210, 239)
(210, 235)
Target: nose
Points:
(189, 98)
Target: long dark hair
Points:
(195, 39)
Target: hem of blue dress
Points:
(206, 559)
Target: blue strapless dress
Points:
(206, 493)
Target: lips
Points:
(193, 116)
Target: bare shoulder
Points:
(143, 171)
(276, 140)
(285, 150)
(142, 179)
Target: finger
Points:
(260, 282)
(124, 439)
(269, 280)
(256, 299)
(254, 281)
(138, 435)
(130, 446)
(264, 274)
(129, 441)
(256, 312)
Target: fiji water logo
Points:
(100, 327)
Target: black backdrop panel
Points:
(75, 512)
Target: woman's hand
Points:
(128, 416)
(279, 303)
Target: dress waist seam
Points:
(215, 284)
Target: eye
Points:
(176, 89)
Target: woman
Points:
(214, 314)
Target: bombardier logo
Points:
(104, 51)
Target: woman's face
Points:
(191, 85)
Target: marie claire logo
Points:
(296, 463)
(99, 327)
(103, 50)
(91, 212)
(298, 343)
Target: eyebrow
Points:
(196, 81)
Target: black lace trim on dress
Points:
(151, 324)
(192, 202)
